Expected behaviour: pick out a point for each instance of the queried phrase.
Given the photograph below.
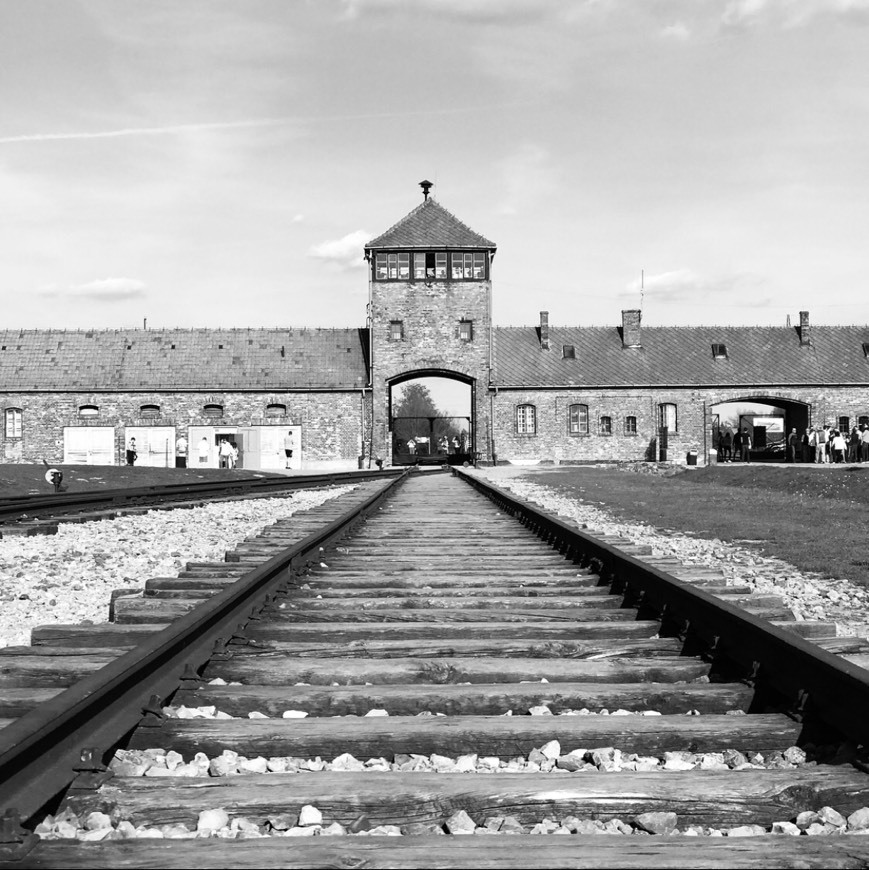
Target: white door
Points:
(201, 447)
(89, 445)
(264, 447)
(155, 445)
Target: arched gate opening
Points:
(768, 419)
(432, 419)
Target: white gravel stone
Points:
(310, 815)
(80, 566)
(212, 820)
(294, 714)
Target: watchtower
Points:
(430, 310)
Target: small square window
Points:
(719, 351)
(568, 351)
(466, 330)
(396, 330)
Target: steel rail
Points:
(40, 751)
(820, 687)
(12, 507)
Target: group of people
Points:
(821, 444)
(824, 444)
(227, 451)
(736, 444)
(444, 444)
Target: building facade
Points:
(540, 393)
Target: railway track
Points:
(456, 610)
(39, 514)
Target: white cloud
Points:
(298, 218)
(346, 252)
(677, 31)
(681, 286)
(511, 12)
(789, 13)
(105, 289)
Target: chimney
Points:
(631, 327)
(805, 332)
(544, 330)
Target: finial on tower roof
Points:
(426, 187)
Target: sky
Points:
(223, 163)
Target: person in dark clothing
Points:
(793, 446)
(745, 446)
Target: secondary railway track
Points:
(447, 608)
(35, 514)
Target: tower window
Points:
(396, 330)
(526, 420)
(466, 330)
(468, 266)
(577, 420)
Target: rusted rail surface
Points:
(446, 602)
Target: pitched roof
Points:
(183, 359)
(681, 356)
(430, 225)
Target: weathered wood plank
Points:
(342, 632)
(502, 647)
(714, 798)
(517, 852)
(278, 669)
(107, 634)
(16, 702)
(515, 614)
(45, 671)
(457, 602)
(458, 735)
(476, 700)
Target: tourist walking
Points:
(854, 445)
(725, 445)
(289, 446)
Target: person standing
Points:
(793, 446)
(131, 451)
(745, 446)
(864, 444)
(837, 447)
(726, 442)
(807, 445)
(234, 456)
(181, 452)
(854, 445)
(289, 446)
(225, 453)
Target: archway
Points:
(768, 419)
(431, 418)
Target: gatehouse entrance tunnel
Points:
(431, 420)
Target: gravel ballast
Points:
(69, 577)
(810, 596)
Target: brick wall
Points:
(554, 443)
(430, 314)
(331, 423)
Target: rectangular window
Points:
(458, 267)
(866, 349)
(381, 270)
(404, 267)
(863, 421)
(392, 263)
(667, 416)
(419, 266)
(479, 266)
(844, 424)
(526, 420)
(578, 420)
(396, 330)
(606, 425)
(568, 351)
(719, 351)
(469, 266)
(441, 265)
(12, 422)
(466, 330)
(630, 425)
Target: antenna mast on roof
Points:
(642, 288)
